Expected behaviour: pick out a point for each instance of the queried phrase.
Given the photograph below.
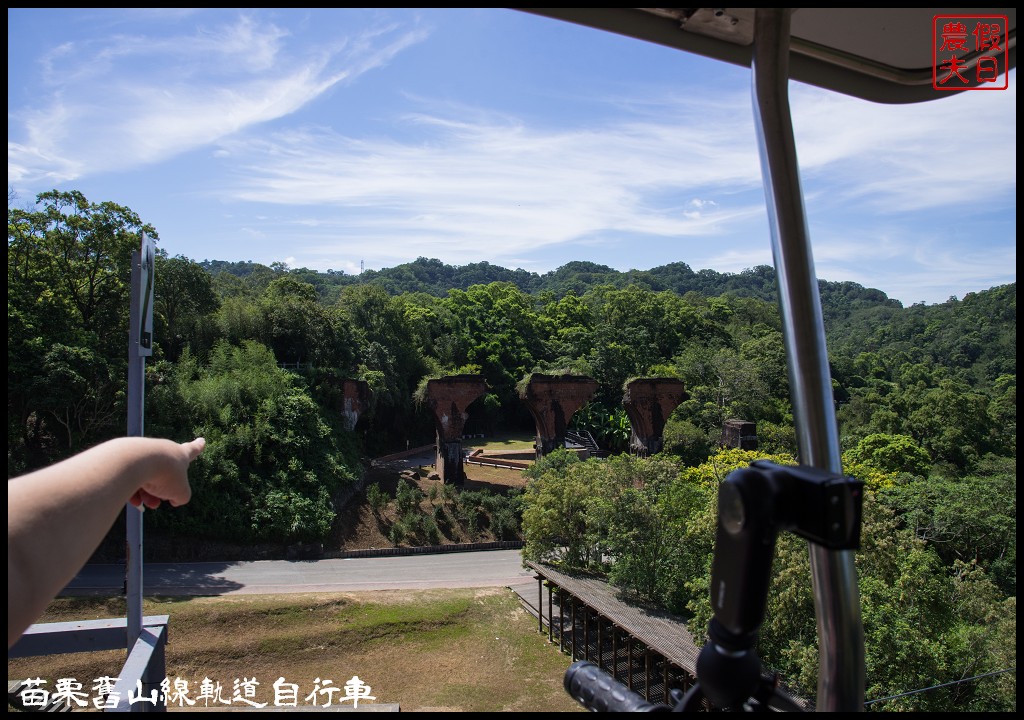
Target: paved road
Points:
(487, 568)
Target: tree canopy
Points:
(254, 357)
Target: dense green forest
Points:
(253, 358)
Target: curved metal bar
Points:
(834, 577)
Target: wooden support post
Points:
(561, 620)
(664, 674)
(540, 604)
(647, 673)
(586, 632)
(615, 651)
(572, 613)
(629, 661)
(550, 613)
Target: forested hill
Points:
(433, 277)
(256, 359)
(976, 333)
(974, 338)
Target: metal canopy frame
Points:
(878, 54)
(868, 53)
(834, 577)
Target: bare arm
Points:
(57, 516)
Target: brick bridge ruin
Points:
(552, 401)
(448, 398)
(355, 399)
(648, 403)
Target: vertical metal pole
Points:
(834, 577)
(133, 515)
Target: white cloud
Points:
(440, 173)
(488, 187)
(460, 185)
(698, 206)
(897, 158)
(127, 101)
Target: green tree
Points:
(1003, 411)
(78, 251)
(892, 454)
(953, 424)
(570, 334)
(971, 519)
(184, 297)
(633, 330)
(388, 359)
(652, 525)
(555, 512)
(301, 330)
(68, 272)
(722, 384)
(684, 439)
(272, 464)
(500, 333)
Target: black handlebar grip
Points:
(598, 691)
(744, 548)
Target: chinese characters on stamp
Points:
(969, 51)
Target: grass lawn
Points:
(459, 650)
(500, 443)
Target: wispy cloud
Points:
(476, 183)
(468, 185)
(328, 137)
(131, 100)
(898, 158)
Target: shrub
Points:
(407, 497)
(505, 524)
(396, 534)
(431, 533)
(376, 498)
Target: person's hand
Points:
(167, 474)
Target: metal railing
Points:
(138, 685)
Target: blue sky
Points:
(329, 138)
